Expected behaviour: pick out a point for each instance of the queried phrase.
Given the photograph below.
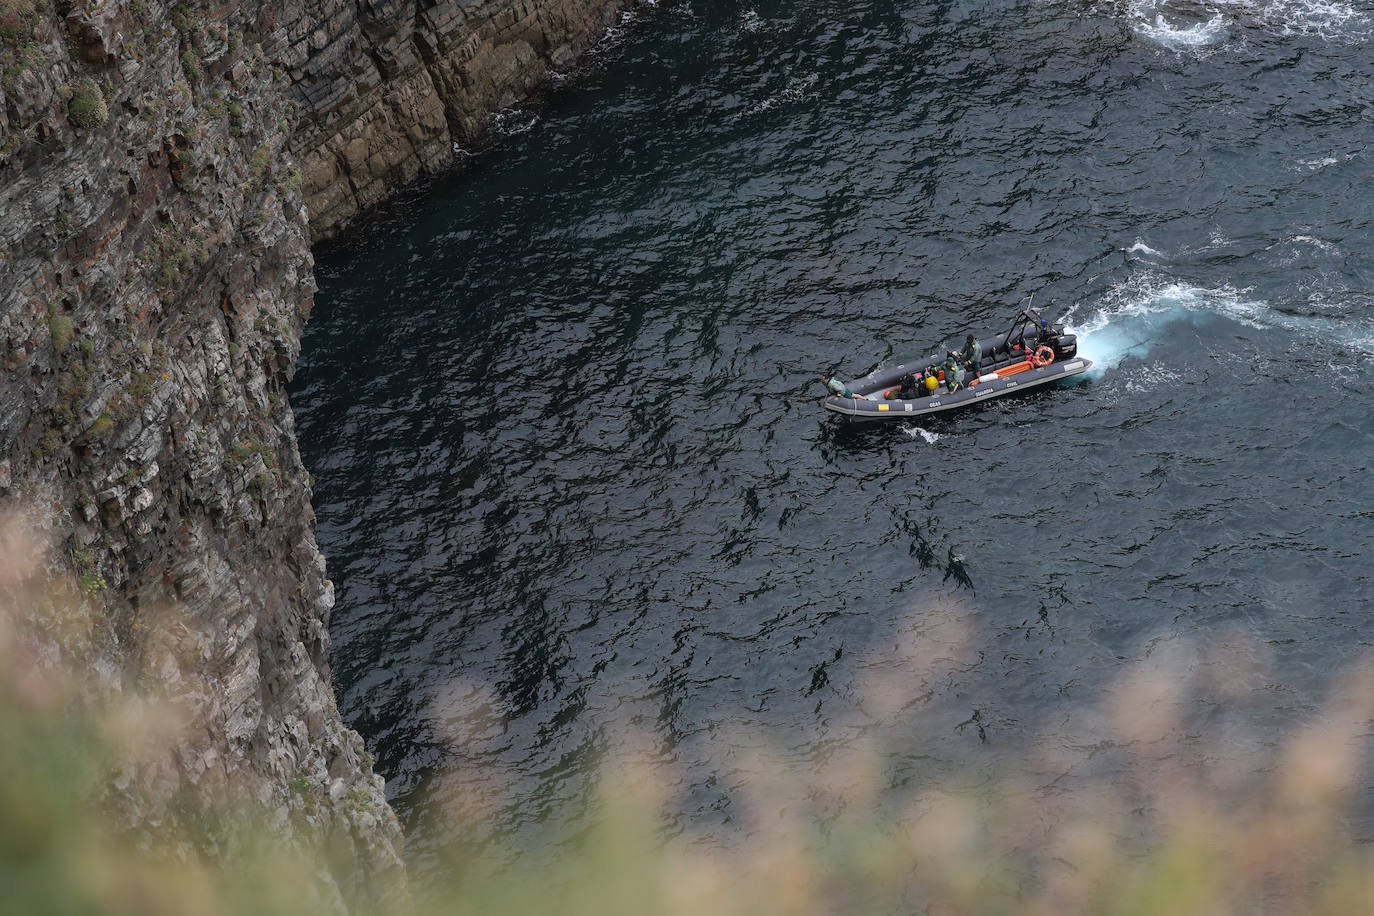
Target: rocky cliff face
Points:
(387, 89)
(163, 168)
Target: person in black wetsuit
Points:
(912, 387)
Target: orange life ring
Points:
(1044, 355)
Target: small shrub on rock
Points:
(102, 426)
(191, 64)
(61, 332)
(87, 108)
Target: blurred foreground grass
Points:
(1275, 843)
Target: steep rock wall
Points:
(388, 88)
(155, 276)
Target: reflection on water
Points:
(574, 482)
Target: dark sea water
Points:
(576, 488)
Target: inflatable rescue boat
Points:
(1031, 353)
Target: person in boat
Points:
(913, 386)
(837, 387)
(954, 375)
(901, 392)
(972, 355)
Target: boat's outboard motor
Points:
(1028, 333)
(1064, 345)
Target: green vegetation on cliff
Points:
(87, 107)
(17, 19)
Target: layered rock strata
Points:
(388, 89)
(155, 276)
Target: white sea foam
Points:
(1216, 240)
(1162, 21)
(1314, 164)
(1319, 244)
(511, 121)
(1181, 38)
(751, 21)
(615, 35)
(1130, 322)
(916, 431)
(1135, 315)
(1321, 162)
(1307, 17)
(1138, 378)
(1141, 248)
(794, 91)
(1302, 248)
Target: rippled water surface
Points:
(574, 480)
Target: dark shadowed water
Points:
(574, 480)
